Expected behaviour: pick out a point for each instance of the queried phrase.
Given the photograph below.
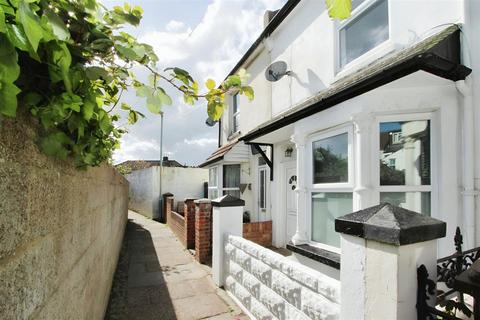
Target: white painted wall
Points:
(183, 183)
(307, 41)
(414, 94)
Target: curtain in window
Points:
(231, 180)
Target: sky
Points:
(207, 38)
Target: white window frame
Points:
(372, 54)
(433, 169)
(216, 187)
(341, 187)
(235, 115)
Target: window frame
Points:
(341, 187)
(222, 188)
(375, 52)
(235, 115)
(216, 187)
(377, 188)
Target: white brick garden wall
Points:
(271, 286)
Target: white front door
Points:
(291, 200)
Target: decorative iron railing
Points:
(448, 268)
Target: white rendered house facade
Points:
(381, 107)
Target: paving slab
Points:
(162, 280)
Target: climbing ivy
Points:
(69, 61)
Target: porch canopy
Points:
(235, 152)
(438, 54)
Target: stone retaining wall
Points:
(61, 230)
(271, 286)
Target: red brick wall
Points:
(189, 214)
(259, 232)
(175, 221)
(203, 230)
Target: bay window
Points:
(366, 29)
(331, 187)
(404, 164)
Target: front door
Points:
(291, 200)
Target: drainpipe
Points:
(469, 192)
(160, 202)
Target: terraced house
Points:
(380, 107)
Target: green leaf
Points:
(104, 122)
(87, 109)
(125, 106)
(132, 117)
(163, 97)
(30, 22)
(215, 110)
(58, 26)
(3, 25)
(210, 84)
(61, 59)
(8, 98)
(248, 92)
(17, 37)
(95, 73)
(56, 145)
(339, 9)
(9, 72)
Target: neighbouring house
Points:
(144, 178)
(381, 107)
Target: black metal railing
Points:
(448, 268)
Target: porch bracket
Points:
(264, 156)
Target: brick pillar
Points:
(168, 209)
(203, 234)
(189, 214)
(164, 212)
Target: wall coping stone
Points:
(390, 224)
(228, 201)
(204, 200)
(326, 257)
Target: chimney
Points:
(268, 16)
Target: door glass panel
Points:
(330, 159)
(405, 153)
(262, 189)
(415, 201)
(325, 208)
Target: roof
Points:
(218, 154)
(272, 26)
(438, 54)
(143, 164)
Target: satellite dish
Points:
(276, 71)
(210, 122)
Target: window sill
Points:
(329, 258)
(234, 135)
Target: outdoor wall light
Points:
(288, 152)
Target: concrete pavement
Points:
(158, 279)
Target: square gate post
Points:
(227, 220)
(382, 247)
